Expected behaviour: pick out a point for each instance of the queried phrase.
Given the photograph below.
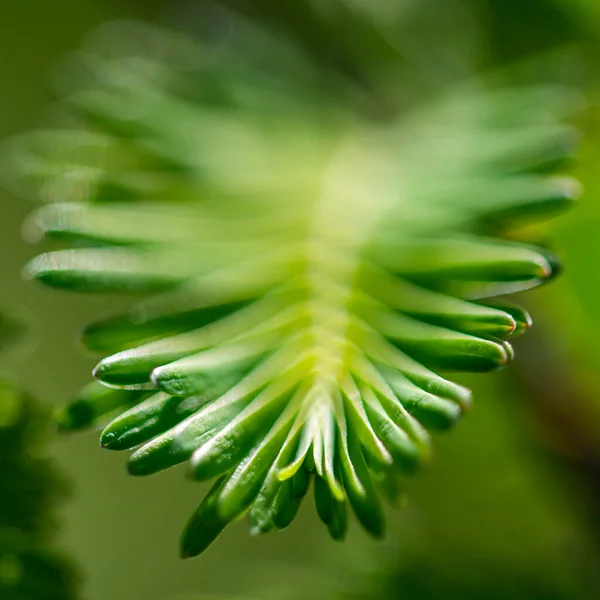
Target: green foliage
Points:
(30, 566)
(314, 261)
(496, 523)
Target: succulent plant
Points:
(312, 255)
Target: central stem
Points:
(355, 199)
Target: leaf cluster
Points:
(310, 271)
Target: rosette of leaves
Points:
(311, 265)
(31, 568)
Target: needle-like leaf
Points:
(309, 264)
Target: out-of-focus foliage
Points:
(31, 568)
(324, 236)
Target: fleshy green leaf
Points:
(312, 250)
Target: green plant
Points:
(316, 250)
(30, 565)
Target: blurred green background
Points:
(510, 506)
